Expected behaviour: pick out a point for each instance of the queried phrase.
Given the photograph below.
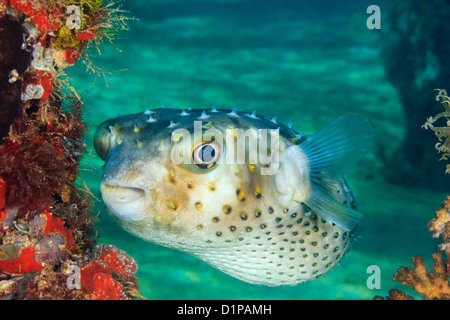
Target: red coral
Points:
(23, 264)
(55, 224)
(2, 215)
(111, 277)
(119, 261)
(45, 22)
(86, 35)
(24, 6)
(72, 55)
(97, 279)
(45, 79)
(106, 288)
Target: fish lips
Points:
(125, 203)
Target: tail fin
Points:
(331, 152)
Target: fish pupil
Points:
(208, 153)
(205, 155)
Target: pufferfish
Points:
(191, 180)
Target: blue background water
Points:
(307, 62)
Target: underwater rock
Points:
(415, 63)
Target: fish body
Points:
(271, 210)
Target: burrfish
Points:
(242, 192)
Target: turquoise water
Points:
(306, 64)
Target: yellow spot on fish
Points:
(172, 204)
(198, 205)
(243, 215)
(257, 192)
(171, 176)
(252, 167)
(226, 209)
(212, 186)
(215, 219)
(190, 184)
(240, 194)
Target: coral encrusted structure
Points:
(47, 235)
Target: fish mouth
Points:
(123, 202)
(126, 194)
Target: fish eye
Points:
(103, 141)
(206, 154)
